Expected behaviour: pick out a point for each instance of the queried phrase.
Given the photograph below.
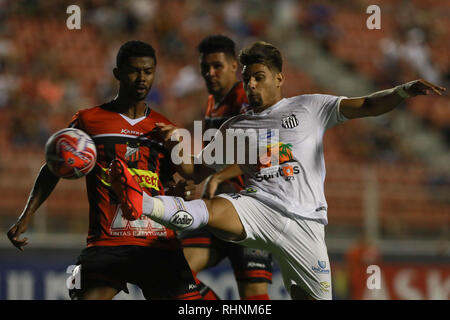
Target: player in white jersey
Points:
(283, 209)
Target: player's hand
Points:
(422, 87)
(168, 132)
(15, 231)
(211, 185)
(184, 189)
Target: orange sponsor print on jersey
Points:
(284, 151)
(145, 178)
(288, 171)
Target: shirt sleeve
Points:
(76, 121)
(326, 109)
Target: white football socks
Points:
(175, 213)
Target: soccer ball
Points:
(70, 153)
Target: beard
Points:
(255, 100)
(214, 89)
(137, 95)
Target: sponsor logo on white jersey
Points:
(321, 267)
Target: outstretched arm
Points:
(384, 101)
(217, 178)
(43, 187)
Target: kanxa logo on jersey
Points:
(181, 220)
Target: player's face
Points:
(261, 85)
(136, 77)
(219, 72)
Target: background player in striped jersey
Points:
(118, 250)
(252, 267)
(285, 211)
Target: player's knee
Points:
(99, 293)
(222, 214)
(252, 289)
(197, 258)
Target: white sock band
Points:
(175, 213)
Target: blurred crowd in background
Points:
(48, 72)
(388, 178)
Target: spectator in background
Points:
(318, 24)
(415, 51)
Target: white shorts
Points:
(297, 244)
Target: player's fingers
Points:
(188, 191)
(189, 187)
(190, 183)
(429, 89)
(439, 88)
(19, 243)
(22, 243)
(432, 86)
(427, 83)
(437, 91)
(163, 126)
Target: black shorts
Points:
(249, 265)
(160, 273)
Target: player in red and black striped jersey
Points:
(227, 98)
(118, 251)
(148, 162)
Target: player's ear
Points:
(116, 73)
(234, 65)
(279, 78)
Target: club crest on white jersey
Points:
(290, 122)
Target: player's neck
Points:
(131, 109)
(267, 106)
(220, 96)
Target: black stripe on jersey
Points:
(158, 160)
(214, 123)
(109, 144)
(94, 200)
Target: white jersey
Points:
(295, 127)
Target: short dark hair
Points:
(264, 53)
(217, 43)
(134, 48)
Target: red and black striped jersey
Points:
(234, 103)
(116, 135)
